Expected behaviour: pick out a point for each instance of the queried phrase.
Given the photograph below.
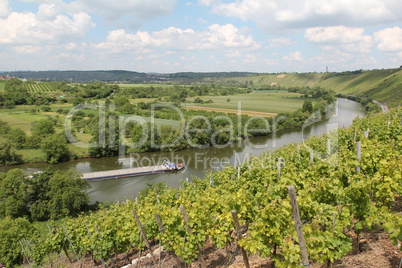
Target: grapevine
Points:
(334, 199)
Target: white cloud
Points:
(48, 12)
(278, 15)
(282, 42)
(115, 9)
(348, 39)
(4, 8)
(294, 56)
(28, 28)
(27, 49)
(389, 39)
(217, 36)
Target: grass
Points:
(269, 102)
(2, 86)
(32, 155)
(142, 85)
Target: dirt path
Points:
(384, 107)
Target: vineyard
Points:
(346, 182)
(44, 87)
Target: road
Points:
(384, 107)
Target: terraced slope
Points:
(381, 85)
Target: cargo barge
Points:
(131, 172)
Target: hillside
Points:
(381, 85)
(349, 197)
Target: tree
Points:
(57, 194)
(14, 195)
(11, 233)
(43, 127)
(18, 137)
(307, 107)
(55, 149)
(105, 140)
(4, 128)
(7, 153)
(67, 194)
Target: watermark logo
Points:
(134, 133)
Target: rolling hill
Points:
(381, 85)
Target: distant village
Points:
(7, 77)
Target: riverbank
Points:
(198, 161)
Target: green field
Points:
(40, 87)
(267, 102)
(2, 86)
(142, 85)
(382, 85)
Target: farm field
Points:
(270, 103)
(40, 87)
(142, 85)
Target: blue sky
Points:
(201, 35)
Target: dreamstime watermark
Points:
(221, 131)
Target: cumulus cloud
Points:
(48, 12)
(277, 15)
(4, 8)
(389, 39)
(46, 26)
(349, 39)
(217, 36)
(294, 56)
(115, 9)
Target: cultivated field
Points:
(267, 103)
(40, 87)
(142, 85)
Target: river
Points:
(197, 161)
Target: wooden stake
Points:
(239, 233)
(311, 158)
(144, 235)
(279, 168)
(162, 230)
(328, 146)
(200, 257)
(298, 225)
(358, 154)
(71, 244)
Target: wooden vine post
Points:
(358, 154)
(239, 233)
(298, 225)
(71, 244)
(279, 168)
(184, 212)
(162, 230)
(144, 235)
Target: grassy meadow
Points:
(266, 102)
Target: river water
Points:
(197, 161)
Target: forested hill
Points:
(81, 76)
(120, 76)
(381, 85)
